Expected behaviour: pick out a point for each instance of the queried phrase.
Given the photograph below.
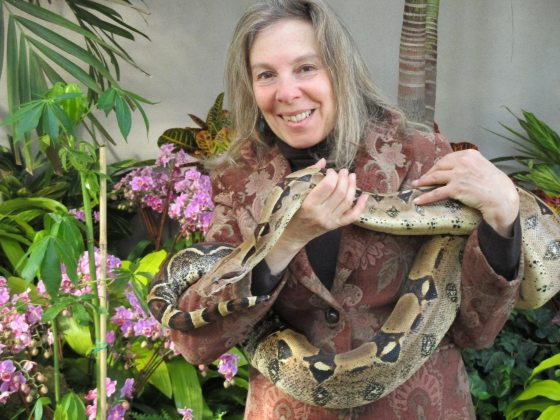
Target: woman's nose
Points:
(288, 90)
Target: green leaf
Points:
(101, 24)
(63, 119)
(160, 376)
(547, 388)
(519, 407)
(18, 115)
(151, 263)
(41, 203)
(50, 124)
(49, 72)
(36, 254)
(138, 97)
(67, 65)
(70, 234)
(12, 65)
(57, 19)
(111, 14)
(41, 402)
(186, 386)
(551, 413)
(79, 313)
(50, 269)
(28, 121)
(547, 364)
(106, 100)
(23, 70)
(77, 336)
(185, 138)
(143, 113)
(66, 45)
(124, 118)
(66, 255)
(57, 307)
(70, 408)
(12, 250)
(37, 82)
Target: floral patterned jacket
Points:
(370, 270)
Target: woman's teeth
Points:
(297, 118)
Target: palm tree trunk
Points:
(432, 13)
(412, 60)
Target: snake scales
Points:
(427, 306)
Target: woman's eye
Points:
(264, 75)
(307, 68)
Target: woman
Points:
(300, 95)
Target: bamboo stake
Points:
(102, 402)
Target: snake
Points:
(428, 302)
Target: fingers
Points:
(437, 194)
(331, 203)
(470, 178)
(321, 163)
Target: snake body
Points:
(429, 300)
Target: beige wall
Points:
(492, 53)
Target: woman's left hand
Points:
(468, 177)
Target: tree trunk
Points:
(431, 59)
(418, 59)
(412, 60)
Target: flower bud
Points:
(29, 399)
(35, 352)
(125, 405)
(25, 388)
(40, 377)
(203, 369)
(43, 390)
(46, 354)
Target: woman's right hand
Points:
(329, 205)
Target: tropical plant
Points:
(538, 152)
(540, 395)
(500, 372)
(210, 138)
(40, 51)
(26, 198)
(55, 117)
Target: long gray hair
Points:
(358, 102)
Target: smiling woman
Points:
(300, 96)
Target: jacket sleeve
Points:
(205, 344)
(487, 298)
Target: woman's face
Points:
(291, 84)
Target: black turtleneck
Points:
(501, 253)
(322, 251)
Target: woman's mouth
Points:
(297, 117)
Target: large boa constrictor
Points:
(428, 304)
